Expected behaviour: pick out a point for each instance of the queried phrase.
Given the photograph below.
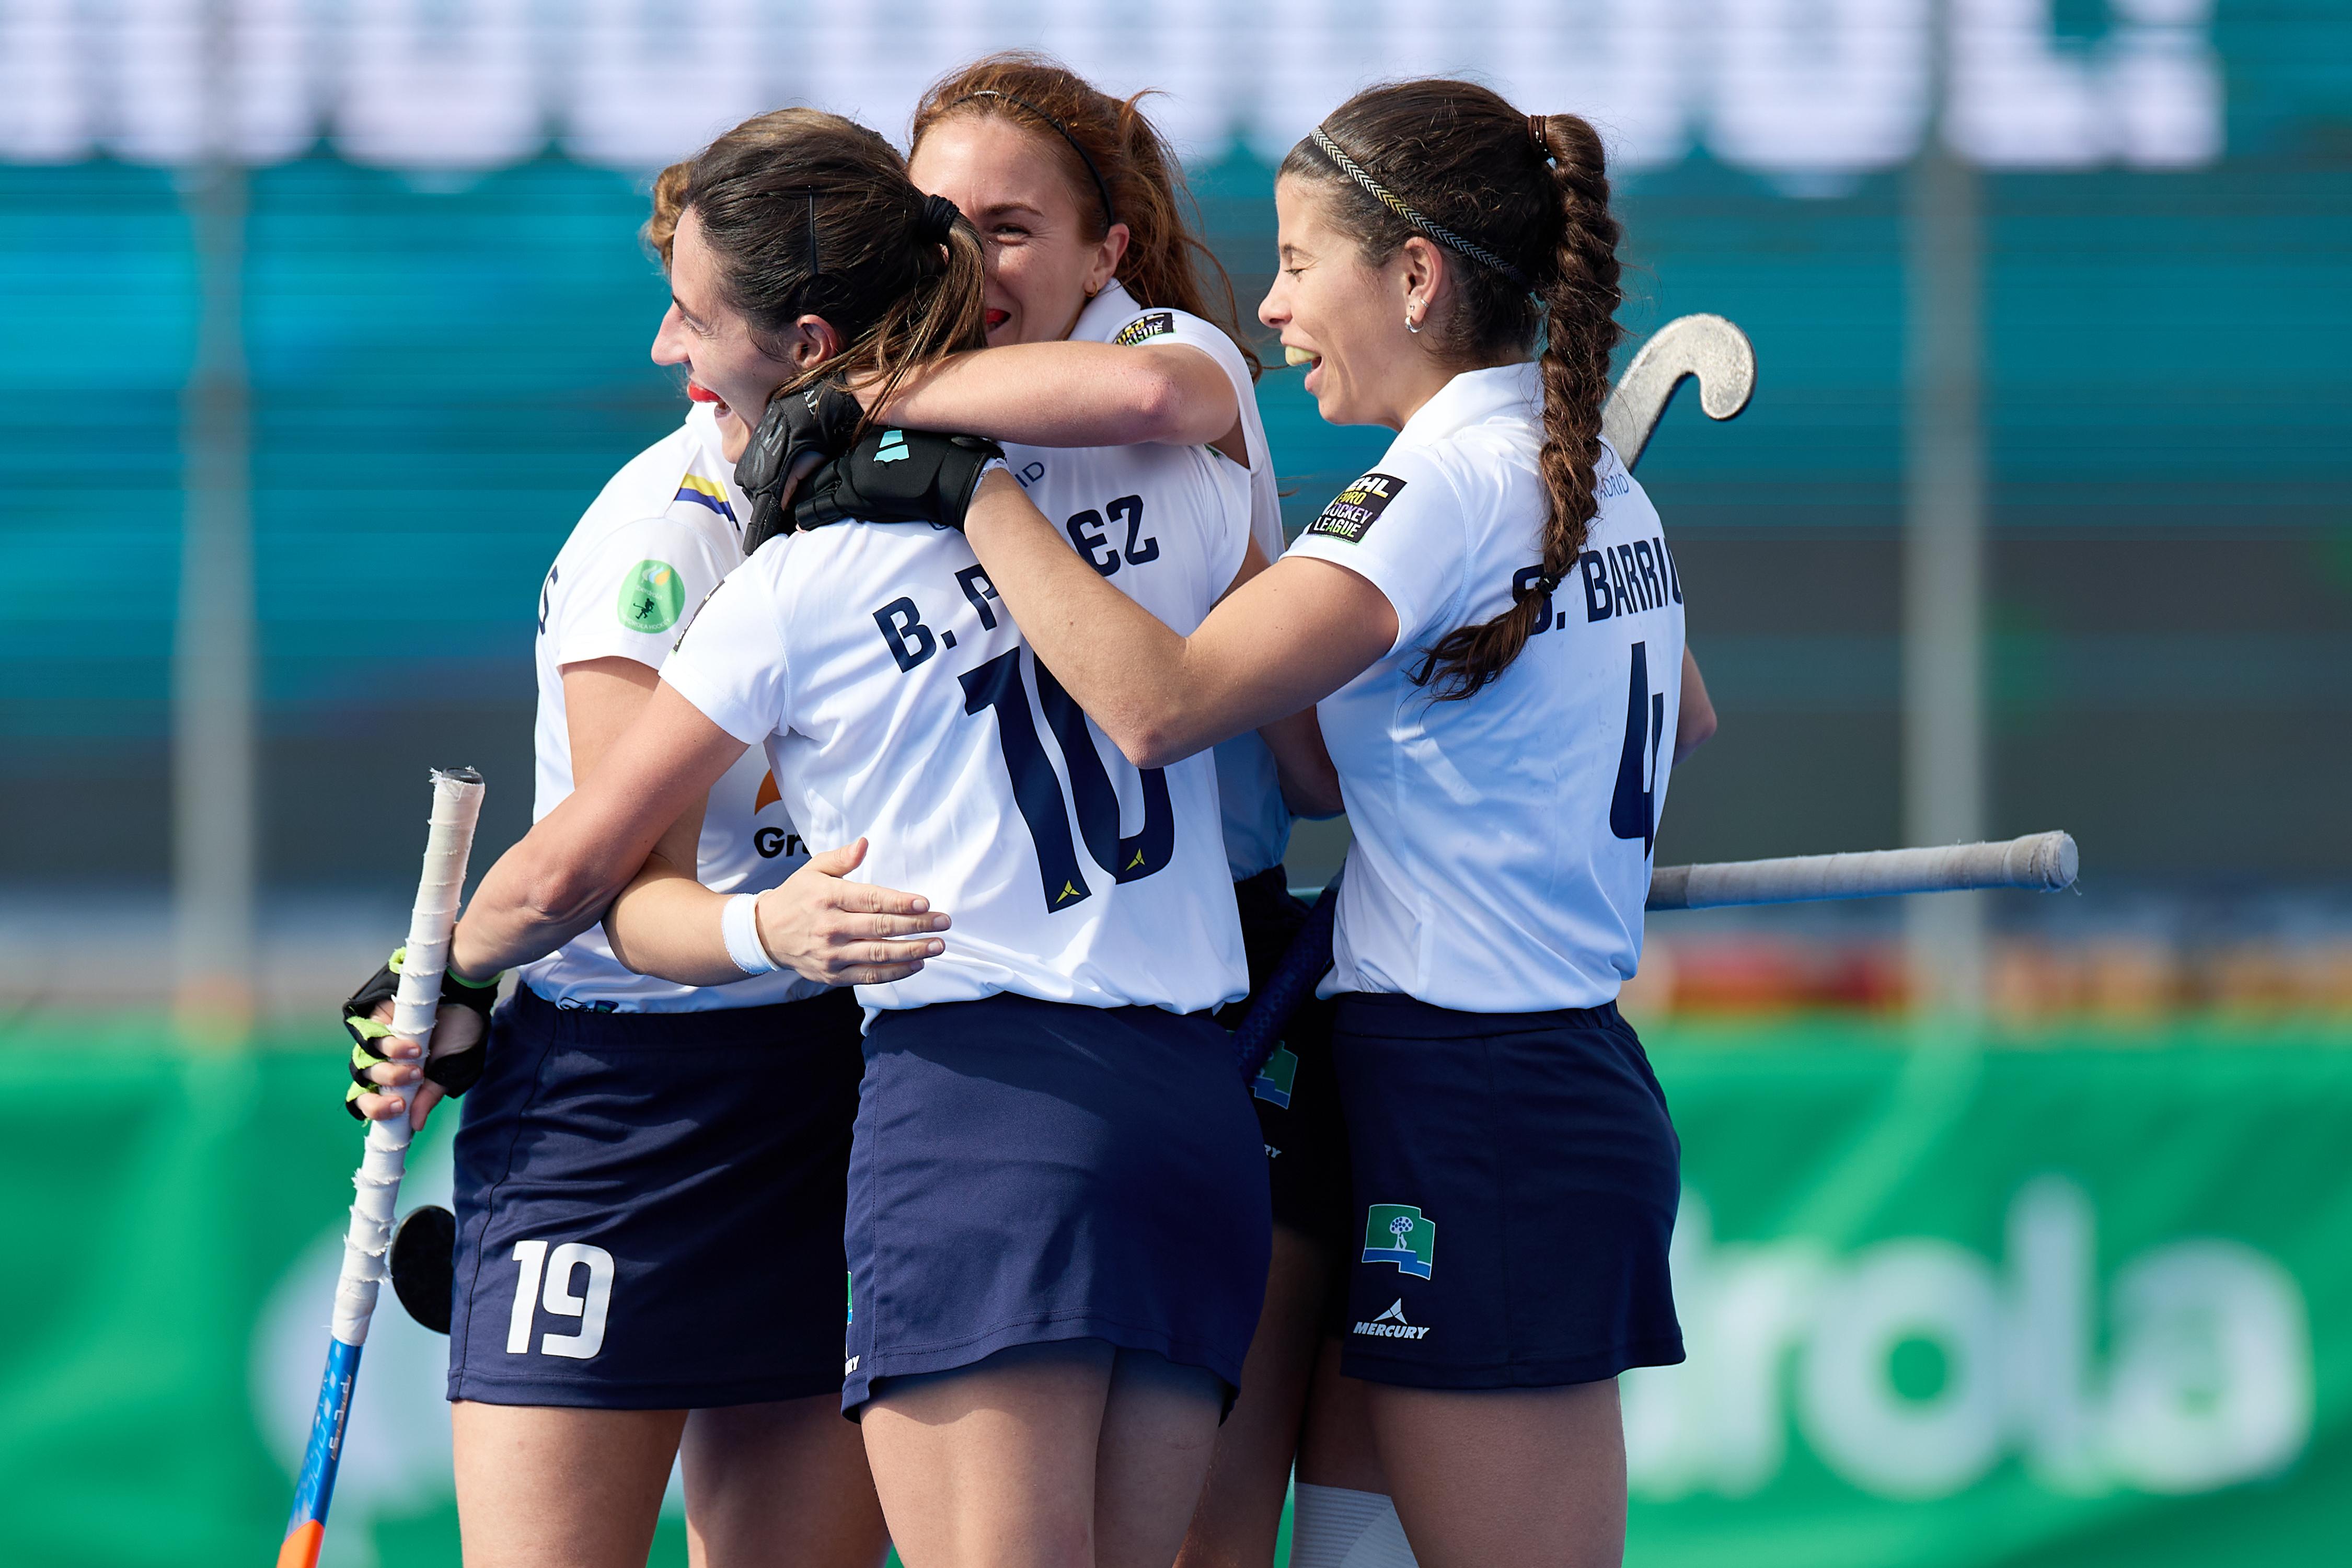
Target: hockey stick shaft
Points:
(2044, 862)
(449, 841)
(1303, 963)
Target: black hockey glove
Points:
(897, 476)
(455, 1073)
(816, 420)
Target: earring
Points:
(1411, 325)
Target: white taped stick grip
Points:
(448, 841)
(2043, 862)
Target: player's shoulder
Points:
(673, 491)
(1624, 509)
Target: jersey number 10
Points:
(997, 685)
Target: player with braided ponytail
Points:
(1488, 627)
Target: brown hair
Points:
(1114, 158)
(809, 214)
(1533, 191)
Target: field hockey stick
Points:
(2042, 862)
(457, 804)
(1303, 963)
(1708, 347)
(2039, 862)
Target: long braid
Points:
(1580, 288)
(1580, 333)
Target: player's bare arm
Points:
(1695, 724)
(1279, 643)
(1075, 394)
(602, 697)
(815, 923)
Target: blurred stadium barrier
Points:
(1812, 93)
(2028, 1308)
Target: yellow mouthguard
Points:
(1297, 357)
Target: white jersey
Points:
(898, 702)
(1086, 492)
(659, 538)
(1503, 842)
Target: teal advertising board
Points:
(2075, 1304)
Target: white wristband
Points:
(740, 924)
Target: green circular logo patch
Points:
(651, 596)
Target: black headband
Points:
(1102, 188)
(1427, 226)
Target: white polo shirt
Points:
(896, 701)
(1502, 844)
(1084, 491)
(652, 545)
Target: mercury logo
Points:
(1391, 1324)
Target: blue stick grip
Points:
(1288, 986)
(315, 1489)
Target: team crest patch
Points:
(1143, 328)
(1397, 1233)
(651, 596)
(1275, 1079)
(1353, 510)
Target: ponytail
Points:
(809, 214)
(1532, 192)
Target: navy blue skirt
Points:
(1028, 1172)
(649, 1205)
(1515, 1178)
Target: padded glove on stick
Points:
(450, 839)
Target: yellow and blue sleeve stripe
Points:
(709, 493)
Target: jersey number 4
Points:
(1633, 809)
(1129, 857)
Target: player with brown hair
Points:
(1490, 623)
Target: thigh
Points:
(1240, 1512)
(1525, 1476)
(1335, 1440)
(543, 1486)
(780, 1483)
(994, 1464)
(1159, 1428)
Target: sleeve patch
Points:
(1353, 510)
(651, 596)
(1143, 328)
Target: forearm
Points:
(666, 925)
(1311, 785)
(1069, 394)
(576, 859)
(1694, 716)
(1133, 674)
(528, 905)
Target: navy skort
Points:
(649, 1205)
(1297, 1093)
(1029, 1173)
(1516, 1178)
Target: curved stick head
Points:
(1707, 347)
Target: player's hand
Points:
(382, 1061)
(898, 476)
(399, 1069)
(847, 934)
(798, 431)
